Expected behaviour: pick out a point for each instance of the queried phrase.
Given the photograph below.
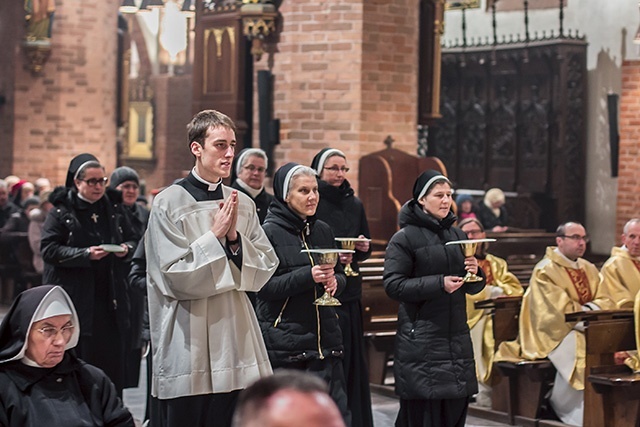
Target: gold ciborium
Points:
(468, 248)
(349, 243)
(325, 256)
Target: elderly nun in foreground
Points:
(41, 383)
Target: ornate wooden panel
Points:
(220, 66)
(513, 116)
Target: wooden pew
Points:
(517, 389)
(606, 332)
(620, 390)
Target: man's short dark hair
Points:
(203, 121)
(253, 399)
(562, 228)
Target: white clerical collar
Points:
(212, 186)
(85, 199)
(252, 191)
(574, 264)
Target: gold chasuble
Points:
(634, 361)
(558, 286)
(621, 277)
(499, 282)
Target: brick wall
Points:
(628, 200)
(70, 107)
(345, 76)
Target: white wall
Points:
(609, 26)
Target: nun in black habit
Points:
(42, 383)
(248, 174)
(344, 212)
(87, 243)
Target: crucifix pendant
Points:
(94, 217)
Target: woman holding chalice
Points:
(433, 363)
(344, 212)
(299, 333)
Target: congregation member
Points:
(42, 382)
(288, 398)
(621, 272)
(18, 222)
(500, 282)
(127, 181)
(22, 191)
(492, 212)
(297, 333)
(344, 212)
(87, 243)
(433, 359)
(464, 203)
(41, 185)
(248, 175)
(34, 232)
(205, 249)
(562, 282)
(7, 208)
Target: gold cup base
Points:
(470, 277)
(327, 301)
(349, 272)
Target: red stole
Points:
(486, 267)
(581, 284)
(636, 263)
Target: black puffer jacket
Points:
(433, 353)
(285, 310)
(64, 250)
(344, 213)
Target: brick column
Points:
(345, 76)
(628, 200)
(69, 108)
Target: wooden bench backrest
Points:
(386, 183)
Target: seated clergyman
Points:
(562, 282)
(500, 282)
(621, 272)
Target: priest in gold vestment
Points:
(621, 272)
(500, 282)
(562, 282)
(634, 356)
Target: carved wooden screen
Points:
(513, 117)
(220, 69)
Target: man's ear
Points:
(196, 148)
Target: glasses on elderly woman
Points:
(50, 332)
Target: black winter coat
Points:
(344, 213)
(294, 329)
(433, 353)
(71, 394)
(64, 250)
(262, 201)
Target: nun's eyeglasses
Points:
(50, 332)
(92, 182)
(336, 169)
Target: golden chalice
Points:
(326, 256)
(349, 243)
(468, 248)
